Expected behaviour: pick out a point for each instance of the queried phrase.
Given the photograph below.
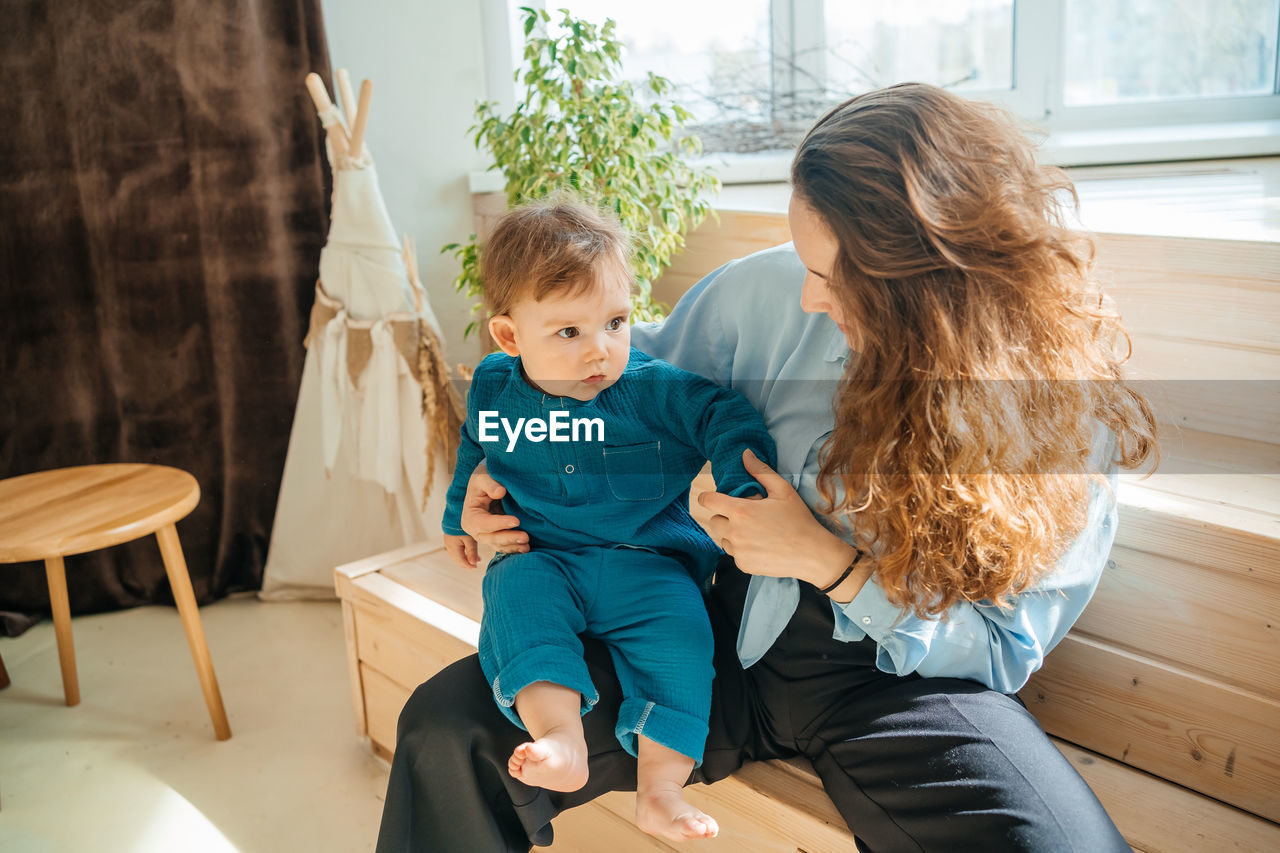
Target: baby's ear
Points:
(503, 331)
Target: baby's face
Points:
(571, 346)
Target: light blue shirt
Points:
(742, 326)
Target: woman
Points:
(938, 370)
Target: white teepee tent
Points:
(376, 422)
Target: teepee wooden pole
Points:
(411, 267)
(343, 82)
(361, 119)
(319, 94)
(320, 97)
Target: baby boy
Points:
(596, 444)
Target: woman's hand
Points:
(500, 532)
(778, 535)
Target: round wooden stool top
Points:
(74, 510)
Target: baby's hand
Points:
(463, 550)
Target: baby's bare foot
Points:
(556, 761)
(663, 812)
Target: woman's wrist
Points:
(850, 584)
(831, 560)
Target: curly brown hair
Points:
(989, 351)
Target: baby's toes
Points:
(698, 826)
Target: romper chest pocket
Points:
(634, 471)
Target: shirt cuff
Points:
(903, 640)
(870, 611)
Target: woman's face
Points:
(817, 248)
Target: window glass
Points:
(716, 52)
(959, 44)
(1146, 50)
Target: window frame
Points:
(1171, 129)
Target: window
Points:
(756, 73)
(718, 58)
(1118, 51)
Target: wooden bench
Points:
(410, 612)
(1166, 694)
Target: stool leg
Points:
(176, 567)
(56, 573)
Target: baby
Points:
(596, 444)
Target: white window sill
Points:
(1064, 148)
(1236, 199)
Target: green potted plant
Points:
(580, 127)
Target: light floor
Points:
(135, 766)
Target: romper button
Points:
(568, 469)
(866, 620)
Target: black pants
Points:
(911, 763)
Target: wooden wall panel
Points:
(1223, 625)
(1193, 258)
(1208, 736)
(1157, 817)
(736, 235)
(1228, 538)
(1219, 311)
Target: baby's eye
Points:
(616, 323)
(568, 332)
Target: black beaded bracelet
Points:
(827, 589)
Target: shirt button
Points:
(866, 620)
(568, 469)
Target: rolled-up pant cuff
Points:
(555, 664)
(684, 733)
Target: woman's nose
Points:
(813, 296)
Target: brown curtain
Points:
(163, 202)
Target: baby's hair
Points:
(559, 244)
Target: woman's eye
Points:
(569, 332)
(616, 323)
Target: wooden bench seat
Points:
(410, 612)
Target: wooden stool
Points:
(52, 514)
